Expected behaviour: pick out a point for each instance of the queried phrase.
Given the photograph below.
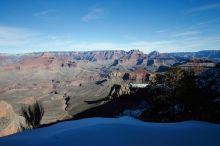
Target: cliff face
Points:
(133, 57)
(56, 60)
(119, 90)
(139, 75)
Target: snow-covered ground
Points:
(124, 131)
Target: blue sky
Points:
(81, 25)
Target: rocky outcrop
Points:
(9, 120)
(135, 57)
(139, 75)
(153, 54)
(119, 90)
(116, 74)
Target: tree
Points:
(157, 79)
(172, 77)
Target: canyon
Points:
(70, 83)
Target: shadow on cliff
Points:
(114, 106)
(110, 107)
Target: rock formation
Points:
(9, 120)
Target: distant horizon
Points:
(57, 51)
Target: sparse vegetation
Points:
(33, 114)
(180, 98)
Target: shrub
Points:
(33, 114)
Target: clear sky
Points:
(79, 25)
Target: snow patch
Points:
(124, 131)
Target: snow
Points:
(138, 85)
(136, 113)
(124, 131)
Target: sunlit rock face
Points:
(9, 120)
